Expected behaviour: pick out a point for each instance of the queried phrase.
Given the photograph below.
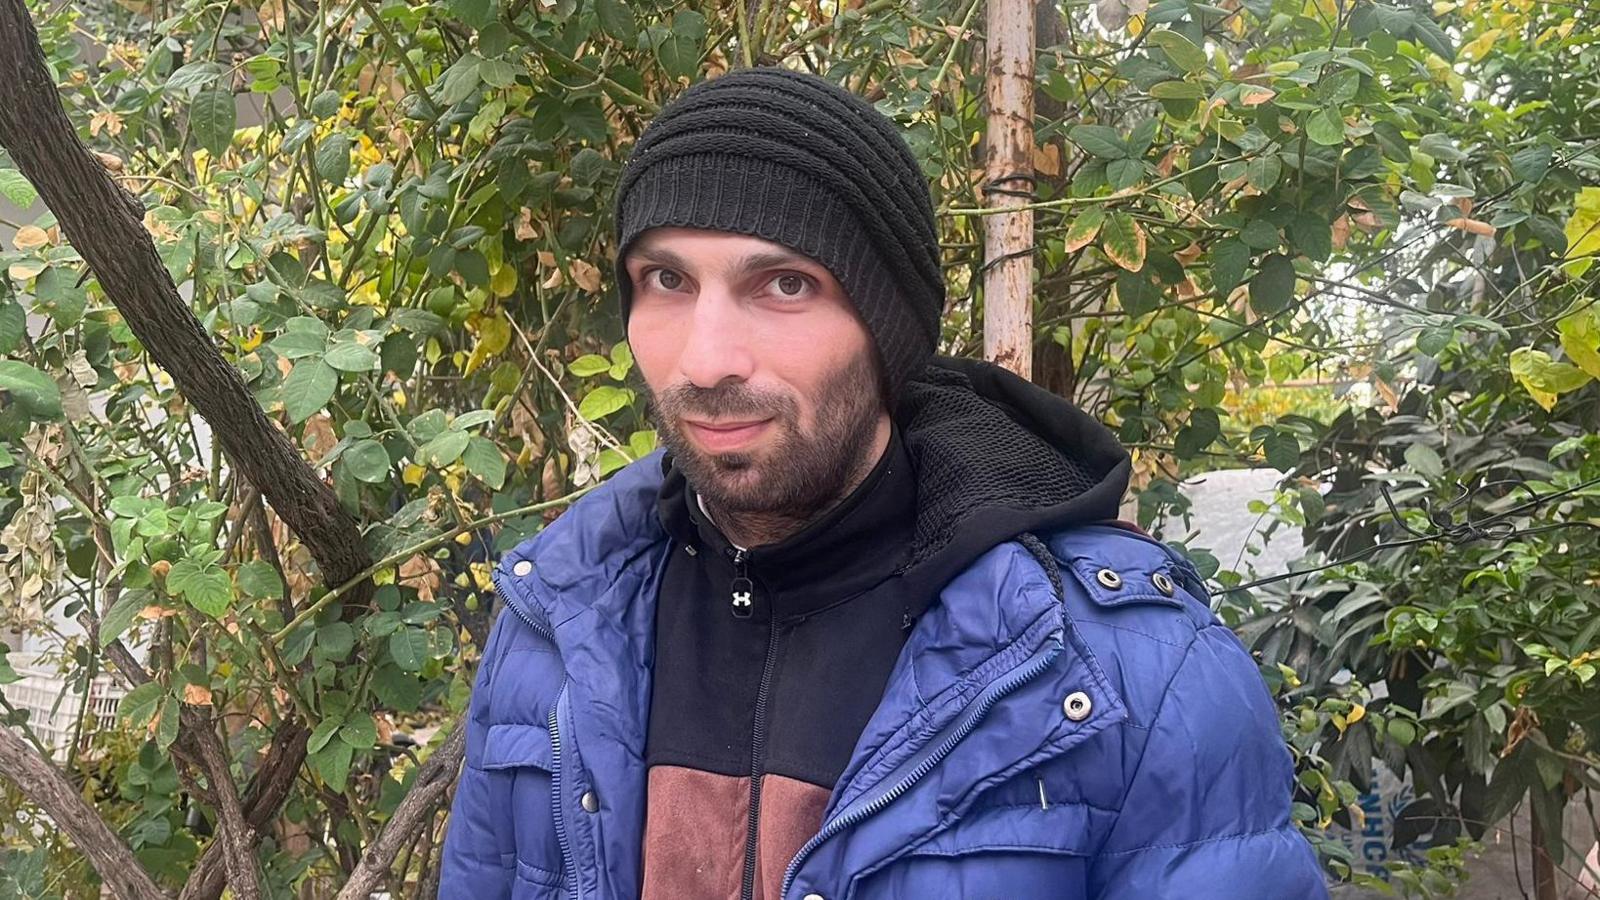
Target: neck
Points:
(753, 529)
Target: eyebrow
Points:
(743, 268)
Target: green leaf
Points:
(361, 732)
(1312, 235)
(1402, 731)
(1582, 232)
(1229, 258)
(589, 365)
(1433, 340)
(368, 461)
(1182, 51)
(642, 443)
(192, 76)
(352, 356)
(484, 459)
(444, 449)
(1425, 461)
(1137, 293)
(1260, 234)
(1531, 164)
(259, 580)
(408, 647)
(167, 728)
(333, 158)
(32, 389)
(323, 733)
(1123, 241)
(335, 640)
(1326, 127)
(1177, 90)
(603, 401)
(1098, 140)
(395, 689)
(616, 19)
(1263, 172)
(205, 586)
(1427, 32)
(1124, 173)
(610, 461)
(212, 118)
(1084, 229)
(120, 616)
(139, 705)
(326, 103)
(1198, 433)
(333, 764)
(1282, 449)
(15, 187)
(587, 121)
(13, 323)
(302, 336)
(1272, 288)
(309, 387)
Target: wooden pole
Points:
(1008, 171)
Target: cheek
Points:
(656, 338)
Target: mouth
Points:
(721, 437)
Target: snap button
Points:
(591, 802)
(523, 567)
(1162, 582)
(814, 897)
(1109, 578)
(1077, 706)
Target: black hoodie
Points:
(757, 705)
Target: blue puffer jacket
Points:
(1067, 724)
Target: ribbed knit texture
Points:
(794, 159)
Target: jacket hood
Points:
(996, 456)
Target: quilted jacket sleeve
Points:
(479, 861)
(1206, 813)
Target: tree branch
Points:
(415, 811)
(106, 226)
(45, 786)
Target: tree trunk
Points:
(106, 225)
(1008, 179)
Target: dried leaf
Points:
(1472, 225)
(1047, 159)
(196, 695)
(1255, 94)
(30, 237)
(586, 275)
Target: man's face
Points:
(762, 374)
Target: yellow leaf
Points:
(413, 474)
(1583, 232)
(494, 335)
(30, 237)
(503, 281)
(1357, 713)
(1580, 337)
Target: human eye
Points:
(666, 279)
(791, 286)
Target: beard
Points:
(796, 474)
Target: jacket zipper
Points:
(548, 633)
(742, 602)
(758, 763)
(978, 710)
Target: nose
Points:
(717, 348)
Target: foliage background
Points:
(405, 253)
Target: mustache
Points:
(721, 402)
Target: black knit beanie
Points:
(797, 160)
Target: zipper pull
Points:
(742, 605)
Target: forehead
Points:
(679, 245)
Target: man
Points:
(863, 629)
